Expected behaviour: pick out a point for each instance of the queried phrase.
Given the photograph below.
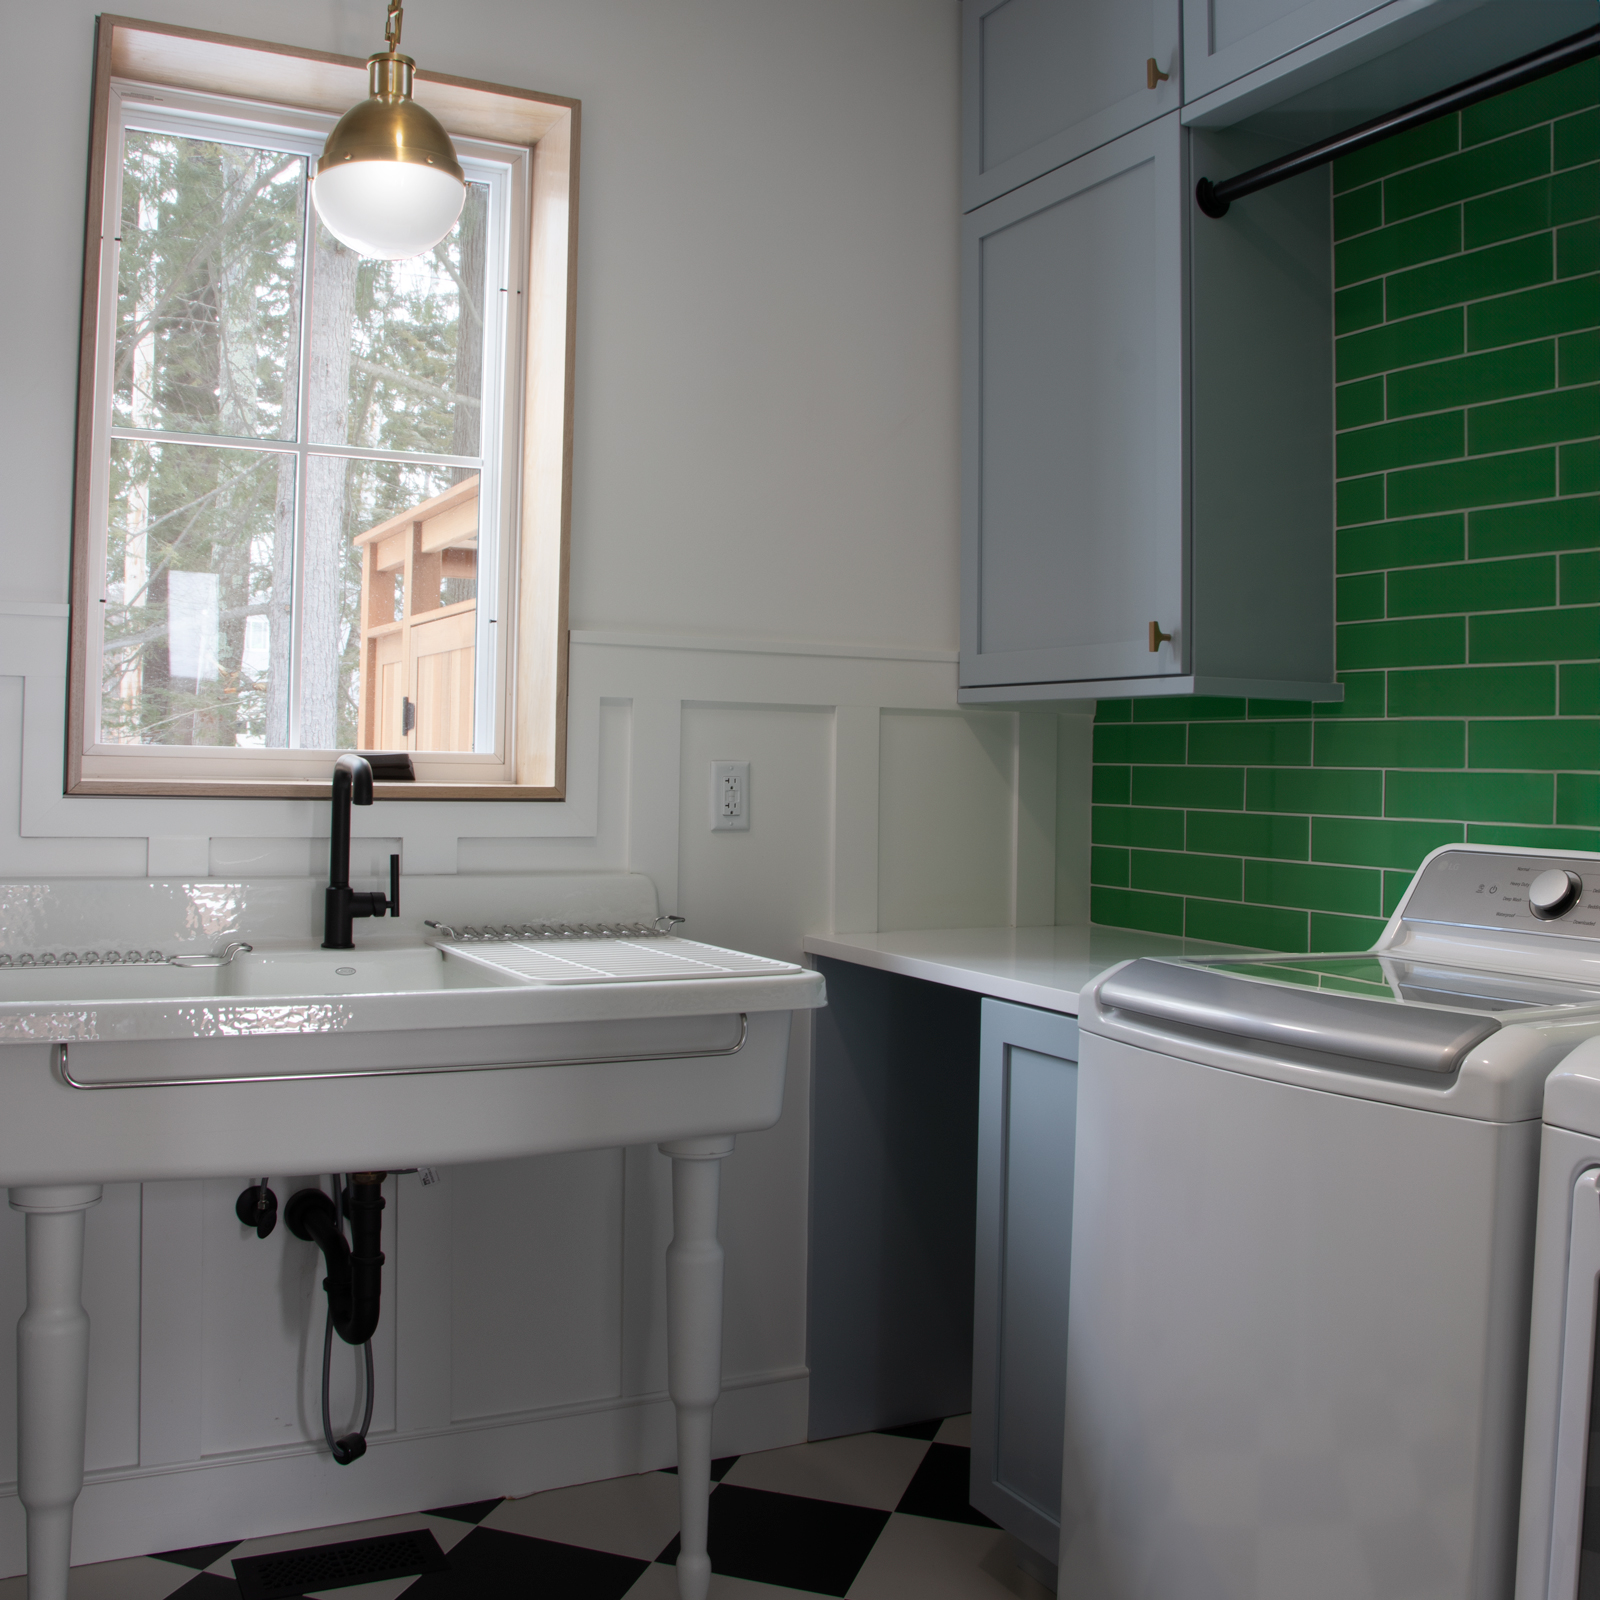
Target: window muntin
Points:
(267, 397)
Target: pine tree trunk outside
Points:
(280, 639)
(333, 295)
(468, 430)
(238, 341)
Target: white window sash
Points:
(504, 169)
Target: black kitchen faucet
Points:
(352, 785)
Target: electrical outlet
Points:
(730, 796)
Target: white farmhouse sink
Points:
(402, 1052)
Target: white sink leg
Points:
(52, 1378)
(694, 1342)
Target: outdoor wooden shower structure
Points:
(418, 654)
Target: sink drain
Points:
(287, 1574)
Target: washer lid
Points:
(1402, 980)
(1373, 1009)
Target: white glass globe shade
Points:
(388, 209)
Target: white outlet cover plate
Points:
(730, 796)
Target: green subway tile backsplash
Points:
(1544, 838)
(1568, 633)
(1334, 792)
(1358, 211)
(1577, 138)
(1579, 353)
(1478, 691)
(1250, 743)
(1580, 577)
(1578, 797)
(1355, 890)
(1108, 865)
(1473, 586)
(1412, 542)
(1532, 314)
(1580, 467)
(1466, 324)
(1126, 742)
(1468, 380)
(1211, 787)
(1391, 744)
(1441, 137)
(1472, 796)
(1506, 214)
(1526, 475)
(1543, 525)
(1580, 689)
(1174, 872)
(1437, 437)
(1537, 419)
(1405, 245)
(1559, 744)
(1375, 842)
(1424, 641)
(1475, 171)
(1400, 344)
(1127, 908)
(1575, 193)
(1497, 269)
(1247, 833)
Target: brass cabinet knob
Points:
(1153, 74)
(1156, 637)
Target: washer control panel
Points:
(1532, 894)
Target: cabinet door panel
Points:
(1224, 39)
(444, 653)
(1073, 424)
(1027, 1130)
(1046, 80)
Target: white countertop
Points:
(1043, 967)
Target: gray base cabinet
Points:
(1027, 1121)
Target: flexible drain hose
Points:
(353, 1283)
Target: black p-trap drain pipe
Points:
(355, 1269)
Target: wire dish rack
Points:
(615, 960)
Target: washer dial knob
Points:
(1553, 894)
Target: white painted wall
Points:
(764, 568)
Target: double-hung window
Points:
(309, 516)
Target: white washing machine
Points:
(1302, 1249)
(1558, 1556)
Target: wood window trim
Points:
(548, 127)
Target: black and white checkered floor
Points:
(877, 1516)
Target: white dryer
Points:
(1302, 1249)
(1558, 1552)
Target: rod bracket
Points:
(1207, 198)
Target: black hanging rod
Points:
(1215, 198)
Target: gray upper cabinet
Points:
(1044, 81)
(1147, 431)
(1073, 464)
(1325, 65)
(1225, 39)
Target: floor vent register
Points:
(286, 1574)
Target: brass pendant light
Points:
(388, 183)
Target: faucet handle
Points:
(394, 886)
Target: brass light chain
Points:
(391, 26)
